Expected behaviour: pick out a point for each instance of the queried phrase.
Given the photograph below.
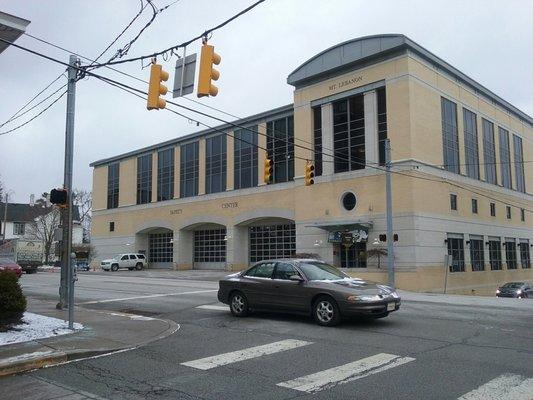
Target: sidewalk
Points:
(467, 300)
(104, 332)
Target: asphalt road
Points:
(424, 351)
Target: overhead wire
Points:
(105, 79)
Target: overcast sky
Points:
(488, 40)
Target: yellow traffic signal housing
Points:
(267, 177)
(207, 73)
(156, 88)
(309, 174)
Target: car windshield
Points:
(319, 271)
(513, 285)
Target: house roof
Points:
(20, 212)
(368, 50)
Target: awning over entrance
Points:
(344, 226)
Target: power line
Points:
(35, 116)
(108, 80)
(184, 44)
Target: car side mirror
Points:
(296, 278)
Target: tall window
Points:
(495, 253)
(215, 164)
(477, 253)
(112, 185)
(474, 206)
(453, 202)
(524, 253)
(189, 170)
(492, 209)
(489, 152)
(505, 158)
(508, 208)
(519, 164)
(280, 148)
(471, 146)
(245, 155)
(456, 250)
(349, 134)
(382, 123)
(165, 174)
(144, 179)
(450, 138)
(317, 139)
(510, 253)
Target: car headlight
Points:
(497, 291)
(519, 291)
(354, 298)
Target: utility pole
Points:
(66, 289)
(6, 199)
(390, 235)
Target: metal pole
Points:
(72, 279)
(390, 236)
(66, 243)
(6, 199)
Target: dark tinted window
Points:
(165, 174)
(144, 179)
(284, 271)
(124, 258)
(519, 164)
(382, 123)
(450, 139)
(317, 140)
(471, 146)
(489, 152)
(215, 164)
(263, 270)
(132, 257)
(141, 256)
(280, 148)
(189, 165)
(349, 201)
(453, 202)
(505, 158)
(349, 134)
(112, 185)
(245, 157)
(513, 285)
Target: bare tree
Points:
(42, 228)
(83, 199)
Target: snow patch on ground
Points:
(36, 326)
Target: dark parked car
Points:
(519, 290)
(7, 264)
(82, 266)
(305, 286)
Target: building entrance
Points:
(353, 256)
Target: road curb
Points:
(54, 358)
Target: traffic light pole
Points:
(390, 236)
(66, 289)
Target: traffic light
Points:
(156, 88)
(207, 73)
(309, 174)
(59, 197)
(383, 237)
(268, 170)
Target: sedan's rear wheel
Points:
(326, 311)
(238, 304)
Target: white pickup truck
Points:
(130, 261)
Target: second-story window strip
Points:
(245, 158)
(505, 158)
(113, 177)
(317, 139)
(349, 134)
(450, 139)
(215, 164)
(165, 174)
(189, 166)
(471, 144)
(144, 179)
(519, 164)
(382, 123)
(280, 148)
(489, 152)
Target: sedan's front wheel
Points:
(238, 304)
(326, 311)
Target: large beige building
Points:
(461, 158)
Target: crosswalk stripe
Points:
(345, 373)
(213, 307)
(507, 386)
(245, 354)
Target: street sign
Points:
(184, 77)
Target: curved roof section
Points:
(367, 50)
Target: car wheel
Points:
(130, 268)
(326, 311)
(139, 266)
(114, 267)
(238, 304)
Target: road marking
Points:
(213, 307)
(150, 296)
(245, 354)
(507, 386)
(345, 373)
